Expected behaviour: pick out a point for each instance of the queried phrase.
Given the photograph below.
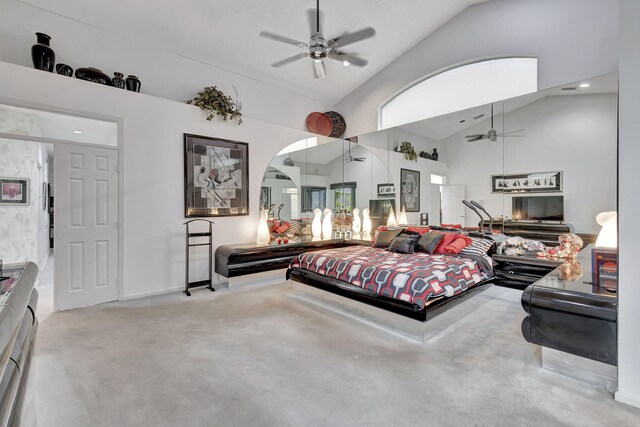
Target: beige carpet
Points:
(259, 358)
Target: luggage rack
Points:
(208, 283)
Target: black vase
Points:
(64, 70)
(43, 57)
(94, 75)
(434, 155)
(133, 84)
(118, 80)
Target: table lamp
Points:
(403, 217)
(391, 221)
(604, 255)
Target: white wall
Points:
(572, 39)
(162, 72)
(152, 143)
(629, 206)
(24, 229)
(572, 134)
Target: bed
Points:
(418, 286)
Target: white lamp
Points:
(316, 225)
(264, 237)
(608, 237)
(366, 222)
(355, 226)
(403, 217)
(327, 227)
(391, 221)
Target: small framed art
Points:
(410, 190)
(14, 191)
(387, 190)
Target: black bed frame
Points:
(366, 296)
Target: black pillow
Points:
(404, 243)
(429, 242)
(384, 238)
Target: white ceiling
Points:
(225, 33)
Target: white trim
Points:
(153, 293)
(628, 399)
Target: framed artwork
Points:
(539, 182)
(265, 197)
(216, 177)
(14, 191)
(45, 195)
(387, 190)
(410, 190)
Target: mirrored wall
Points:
(548, 157)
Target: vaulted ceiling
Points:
(225, 33)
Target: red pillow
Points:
(419, 230)
(451, 225)
(446, 241)
(459, 243)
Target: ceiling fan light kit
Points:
(321, 48)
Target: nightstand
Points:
(519, 271)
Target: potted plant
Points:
(215, 103)
(409, 152)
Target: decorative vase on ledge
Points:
(133, 84)
(118, 80)
(434, 155)
(64, 70)
(94, 75)
(43, 57)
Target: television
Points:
(539, 208)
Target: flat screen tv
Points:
(541, 208)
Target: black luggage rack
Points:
(208, 283)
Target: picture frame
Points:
(14, 191)
(265, 197)
(387, 190)
(410, 190)
(216, 177)
(536, 182)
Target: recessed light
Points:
(585, 85)
(78, 132)
(346, 63)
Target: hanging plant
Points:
(215, 103)
(409, 152)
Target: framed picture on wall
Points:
(216, 177)
(538, 182)
(387, 190)
(14, 191)
(265, 197)
(410, 190)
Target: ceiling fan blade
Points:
(290, 60)
(315, 24)
(354, 37)
(475, 138)
(282, 39)
(360, 159)
(477, 135)
(318, 66)
(513, 131)
(353, 60)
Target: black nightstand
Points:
(519, 271)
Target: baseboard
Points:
(152, 293)
(628, 399)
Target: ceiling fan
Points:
(492, 134)
(350, 158)
(320, 48)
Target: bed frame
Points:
(382, 312)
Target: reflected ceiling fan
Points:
(492, 134)
(320, 48)
(350, 158)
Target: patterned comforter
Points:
(414, 278)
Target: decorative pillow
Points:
(478, 247)
(446, 241)
(428, 242)
(404, 243)
(384, 238)
(451, 226)
(460, 242)
(419, 230)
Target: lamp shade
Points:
(391, 221)
(327, 226)
(316, 225)
(264, 237)
(608, 236)
(366, 222)
(355, 226)
(403, 217)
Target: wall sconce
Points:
(355, 226)
(316, 225)
(403, 217)
(366, 222)
(327, 227)
(391, 221)
(264, 237)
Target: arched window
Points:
(459, 88)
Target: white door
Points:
(434, 212)
(452, 208)
(86, 226)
